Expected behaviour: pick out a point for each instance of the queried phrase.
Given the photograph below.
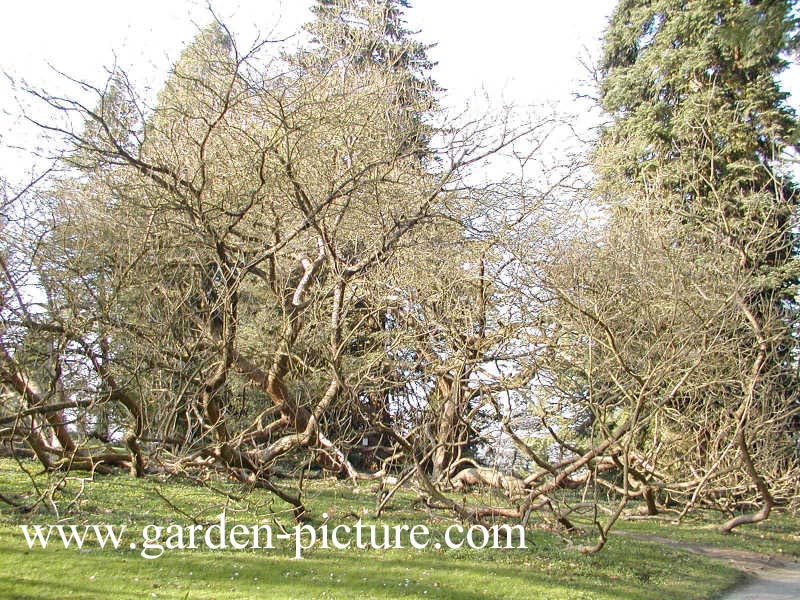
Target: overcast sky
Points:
(523, 51)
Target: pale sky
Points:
(518, 51)
(521, 51)
(531, 44)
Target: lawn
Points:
(549, 568)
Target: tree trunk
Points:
(758, 481)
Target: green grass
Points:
(549, 569)
(778, 536)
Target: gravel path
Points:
(770, 584)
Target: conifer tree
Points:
(362, 35)
(698, 137)
(699, 120)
